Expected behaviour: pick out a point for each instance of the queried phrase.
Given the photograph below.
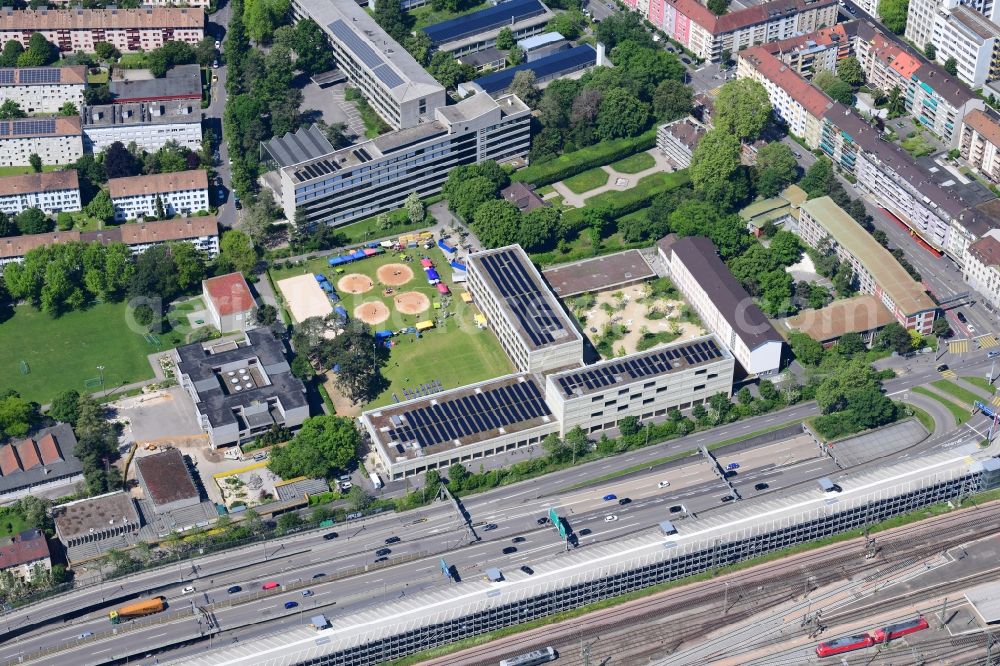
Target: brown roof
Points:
(18, 246)
(762, 13)
(29, 127)
(165, 477)
(98, 19)
(84, 516)
(987, 126)
(28, 454)
(168, 230)
(986, 251)
(230, 293)
(72, 75)
(196, 179)
(39, 182)
(850, 315)
(523, 196)
(814, 100)
(24, 548)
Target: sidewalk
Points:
(629, 180)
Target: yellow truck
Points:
(138, 609)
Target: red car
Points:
(893, 631)
(845, 644)
(269, 585)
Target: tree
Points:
(262, 17)
(834, 87)
(718, 7)
(36, 162)
(465, 197)
(260, 216)
(69, 109)
(515, 56)
(108, 53)
(776, 168)
(893, 14)
(445, 68)
(850, 344)
(205, 53)
(359, 358)
(843, 279)
(726, 58)
(715, 160)
(389, 15)
(119, 162)
(505, 39)
(638, 69)
(312, 50)
(850, 71)
(65, 407)
(524, 87)
(11, 52)
(896, 104)
(33, 221)
(893, 337)
(161, 213)
(168, 56)
(930, 51)
(40, 52)
(302, 368)
(11, 109)
(567, 24)
(620, 27)
(64, 221)
(497, 223)
(16, 415)
(414, 208)
(288, 522)
(237, 253)
(539, 228)
(951, 66)
(941, 328)
(805, 349)
(818, 178)
(420, 47)
(628, 426)
(742, 109)
(555, 448)
(101, 207)
(96, 95)
(671, 100)
(786, 248)
(621, 114)
(324, 446)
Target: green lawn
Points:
(18, 170)
(427, 15)
(97, 79)
(61, 353)
(917, 146)
(961, 415)
(635, 163)
(925, 419)
(455, 353)
(586, 181)
(11, 522)
(981, 382)
(956, 391)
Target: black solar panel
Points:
(6, 76)
(366, 54)
(37, 75)
(502, 14)
(4, 128)
(471, 415)
(387, 76)
(33, 127)
(550, 66)
(534, 314)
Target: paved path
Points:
(570, 198)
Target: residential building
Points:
(166, 481)
(338, 187)
(546, 68)
(864, 315)
(982, 267)
(487, 60)
(815, 51)
(931, 95)
(395, 85)
(181, 192)
(724, 306)
(56, 140)
(922, 15)
(109, 520)
(50, 191)
(202, 232)
(971, 39)
(180, 83)
(678, 139)
(265, 393)
(523, 196)
(43, 89)
(148, 125)
(200, 4)
(477, 31)
(519, 307)
(876, 271)
(980, 143)
(44, 460)
(699, 30)
(229, 302)
(25, 554)
(779, 211)
(542, 45)
(128, 30)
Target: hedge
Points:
(573, 163)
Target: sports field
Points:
(62, 353)
(454, 353)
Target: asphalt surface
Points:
(228, 215)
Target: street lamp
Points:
(101, 369)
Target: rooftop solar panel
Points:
(6, 76)
(36, 75)
(490, 18)
(545, 68)
(365, 53)
(387, 76)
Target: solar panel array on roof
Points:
(315, 170)
(471, 414)
(638, 367)
(36, 75)
(483, 20)
(6, 76)
(545, 68)
(299, 146)
(524, 296)
(366, 54)
(32, 127)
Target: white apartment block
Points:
(724, 306)
(970, 38)
(678, 139)
(982, 266)
(183, 192)
(128, 30)
(56, 140)
(395, 85)
(922, 14)
(43, 89)
(520, 308)
(51, 192)
(200, 4)
(150, 125)
(337, 187)
(980, 144)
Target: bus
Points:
(531, 658)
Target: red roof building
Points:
(23, 552)
(229, 301)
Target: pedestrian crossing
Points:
(996, 401)
(987, 341)
(949, 374)
(958, 346)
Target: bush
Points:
(581, 160)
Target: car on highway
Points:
(382, 552)
(489, 527)
(319, 575)
(610, 519)
(676, 508)
(307, 593)
(270, 585)
(234, 589)
(732, 467)
(663, 484)
(761, 486)
(86, 634)
(188, 590)
(393, 539)
(941, 367)
(625, 500)
(961, 317)
(728, 498)
(528, 570)
(542, 520)
(509, 550)
(993, 354)
(381, 559)
(329, 536)
(610, 497)
(518, 540)
(291, 604)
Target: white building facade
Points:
(43, 89)
(55, 140)
(183, 193)
(149, 125)
(52, 192)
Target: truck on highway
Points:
(138, 609)
(493, 575)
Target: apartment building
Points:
(128, 30)
(971, 39)
(337, 187)
(395, 85)
(692, 24)
(931, 95)
(678, 139)
(25, 554)
(199, 4)
(149, 124)
(202, 232)
(182, 192)
(876, 271)
(51, 192)
(477, 31)
(229, 302)
(815, 51)
(55, 140)
(980, 143)
(43, 89)
(522, 311)
(724, 306)
(982, 266)
(922, 15)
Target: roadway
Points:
(212, 116)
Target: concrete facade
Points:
(44, 89)
(182, 192)
(149, 125)
(55, 140)
(128, 30)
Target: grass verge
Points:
(956, 391)
(982, 383)
(925, 419)
(587, 180)
(961, 415)
(634, 163)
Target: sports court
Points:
(304, 298)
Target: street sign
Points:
(553, 516)
(985, 409)
(561, 525)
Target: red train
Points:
(861, 641)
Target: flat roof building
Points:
(43, 89)
(519, 307)
(104, 518)
(49, 191)
(150, 125)
(478, 30)
(229, 302)
(166, 481)
(678, 139)
(182, 82)
(546, 68)
(609, 271)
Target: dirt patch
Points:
(342, 406)
(412, 302)
(373, 312)
(304, 297)
(394, 275)
(355, 283)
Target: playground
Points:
(303, 297)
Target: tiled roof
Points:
(814, 100)
(986, 251)
(987, 126)
(101, 19)
(44, 458)
(24, 548)
(48, 181)
(133, 186)
(849, 315)
(140, 233)
(230, 293)
(743, 18)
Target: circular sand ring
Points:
(393, 275)
(412, 302)
(355, 283)
(373, 312)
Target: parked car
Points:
(291, 604)
(610, 519)
(509, 550)
(234, 589)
